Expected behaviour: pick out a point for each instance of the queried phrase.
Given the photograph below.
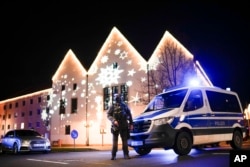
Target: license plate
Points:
(136, 143)
(38, 145)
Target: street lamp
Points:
(86, 116)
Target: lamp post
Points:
(86, 116)
(148, 83)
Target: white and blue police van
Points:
(182, 118)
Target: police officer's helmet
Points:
(118, 97)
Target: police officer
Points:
(121, 119)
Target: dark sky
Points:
(36, 35)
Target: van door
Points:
(197, 115)
(194, 107)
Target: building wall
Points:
(24, 112)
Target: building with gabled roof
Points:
(79, 99)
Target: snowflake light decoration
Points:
(109, 75)
(123, 55)
(104, 59)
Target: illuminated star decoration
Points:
(135, 99)
(129, 62)
(131, 72)
(143, 79)
(109, 75)
(104, 59)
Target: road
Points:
(217, 156)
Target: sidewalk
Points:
(83, 148)
(109, 147)
(80, 148)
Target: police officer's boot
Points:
(126, 156)
(113, 157)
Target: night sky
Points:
(35, 36)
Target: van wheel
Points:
(183, 143)
(142, 151)
(237, 140)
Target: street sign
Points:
(74, 134)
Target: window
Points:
(23, 114)
(106, 98)
(29, 125)
(167, 100)
(10, 106)
(22, 125)
(30, 113)
(47, 123)
(195, 101)
(47, 110)
(23, 103)
(115, 65)
(9, 116)
(74, 105)
(222, 102)
(39, 99)
(63, 88)
(48, 97)
(124, 93)
(38, 111)
(16, 104)
(74, 86)
(31, 101)
(115, 90)
(67, 129)
(62, 107)
(38, 124)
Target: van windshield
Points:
(167, 100)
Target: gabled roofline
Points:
(113, 32)
(69, 54)
(27, 95)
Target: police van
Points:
(181, 118)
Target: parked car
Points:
(24, 140)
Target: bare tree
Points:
(174, 66)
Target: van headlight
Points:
(162, 121)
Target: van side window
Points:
(223, 102)
(194, 101)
